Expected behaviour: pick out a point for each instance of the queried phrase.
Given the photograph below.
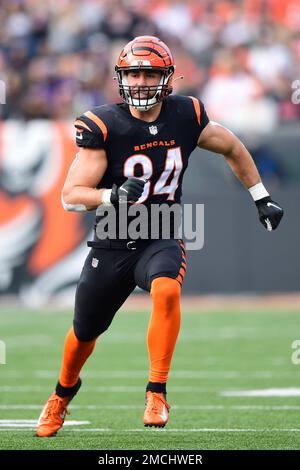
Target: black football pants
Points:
(110, 275)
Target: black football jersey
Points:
(158, 151)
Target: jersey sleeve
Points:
(91, 131)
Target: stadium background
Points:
(241, 58)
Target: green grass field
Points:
(217, 353)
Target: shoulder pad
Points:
(199, 112)
(191, 108)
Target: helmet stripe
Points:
(145, 48)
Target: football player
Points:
(137, 152)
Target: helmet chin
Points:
(142, 105)
(144, 108)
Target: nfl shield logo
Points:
(95, 262)
(153, 130)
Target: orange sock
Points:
(75, 355)
(163, 327)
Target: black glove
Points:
(130, 191)
(270, 213)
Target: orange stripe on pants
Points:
(163, 327)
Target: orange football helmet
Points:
(145, 53)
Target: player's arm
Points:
(218, 139)
(79, 192)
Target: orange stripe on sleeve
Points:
(98, 122)
(197, 108)
(82, 124)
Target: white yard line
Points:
(267, 392)
(179, 374)
(174, 407)
(168, 430)
(270, 392)
(29, 423)
(189, 374)
(89, 389)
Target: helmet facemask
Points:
(144, 97)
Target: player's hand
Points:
(130, 191)
(270, 213)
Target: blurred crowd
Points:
(239, 56)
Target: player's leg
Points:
(100, 293)
(161, 270)
(163, 330)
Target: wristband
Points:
(258, 191)
(106, 197)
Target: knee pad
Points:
(165, 289)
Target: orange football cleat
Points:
(52, 416)
(157, 410)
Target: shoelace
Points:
(154, 401)
(56, 406)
